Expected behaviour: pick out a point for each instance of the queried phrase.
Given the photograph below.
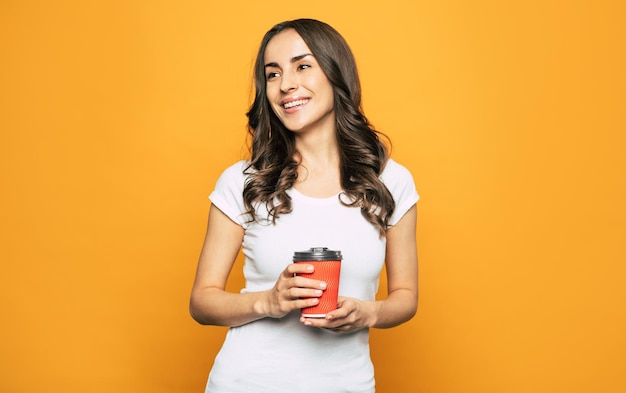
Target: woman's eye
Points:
(304, 66)
(271, 75)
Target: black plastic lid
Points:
(317, 254)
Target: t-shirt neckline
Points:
(299, 195)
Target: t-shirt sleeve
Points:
(399, 182)
(228, 193)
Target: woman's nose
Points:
(288, 82)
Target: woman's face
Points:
(298, 91)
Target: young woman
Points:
(318, 175)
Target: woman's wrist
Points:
(374, 308)
(259, 306)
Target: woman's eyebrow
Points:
(293, 60)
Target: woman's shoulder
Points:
(228, 192)
(234, 175)
(399, 181)
(395, 171)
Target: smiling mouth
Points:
(293, 104)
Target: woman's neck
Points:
(319, 172)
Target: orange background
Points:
(116, 118)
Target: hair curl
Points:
(273, 167)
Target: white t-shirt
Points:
(282, 355)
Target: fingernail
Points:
(318, 292)
(323, 285)
(309, 268)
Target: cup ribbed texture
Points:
(327, 271)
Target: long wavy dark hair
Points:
(272, 168)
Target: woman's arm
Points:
(401, 261)
(210, 304)
(401, 302)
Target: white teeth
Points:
(291, 104)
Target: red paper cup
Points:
(327, 265)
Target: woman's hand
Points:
(291, 292)
(351, 315)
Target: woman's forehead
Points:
(284, 46)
